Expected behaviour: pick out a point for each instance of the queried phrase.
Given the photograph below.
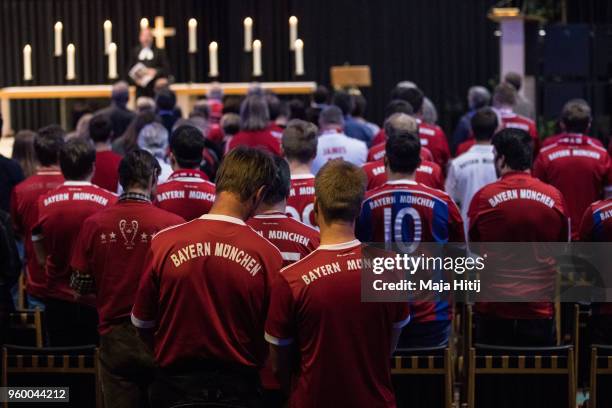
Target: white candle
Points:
(193, 41)
(299, 57)
(213, 63)
(70, 71)
(112, 61)
(257, 58)
(293, 31)
(248, 34)
(27, 62)
(58, 38)
(144, 23)
(108, 35)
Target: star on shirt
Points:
(143, 235)
(112, 235)
(103, 237)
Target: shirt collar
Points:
(220, 217)
(515, 174)
(50, 170)
(343, 245)
(271, 214)
(302, 176)
(401, 181)
(187, 173)
(75, 183)
(482, 148)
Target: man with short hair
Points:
(423, 214)
(474, 169)
(352, 127)
(292, 238)
(107, 161)
(574, 111)
(333, 143)
(299, 145)
(24, 206)
(579, 168)
(504, 99)
(215, 271)
(324, 319)
(523, 106)
(478, 97)
(61, 213)
(118, 112)
(517, 208)
(108, 261)
(187, 192)
(428, 173)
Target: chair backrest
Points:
(601, 365)
(26, 320)
(434, 370)
(531, 373)
(22, 365)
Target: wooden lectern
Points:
(350, 76)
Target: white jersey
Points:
(334, 145)
(468, 173)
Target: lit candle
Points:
(108, 35)
(70, 51)
(213, 63)
(299, 57)
(248, 34)
(257, 58)
(27, 63)
(112, 61)
(144, 23)
(193, 41)
(293, 31)
(58, 38)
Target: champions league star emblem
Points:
(128, 232)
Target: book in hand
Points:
(141, 74)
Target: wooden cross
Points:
(160, 32)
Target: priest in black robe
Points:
(147, 64)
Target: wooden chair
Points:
(422, 362)
(30, 366)
(516, 362)
(23, 321)
(601, 365)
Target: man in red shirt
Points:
(343, 343)
(517, 208)
(106, 174)
(580, 169)
(108, 261)
(504, 100)
(187, 193)
(61, 213)
(419, 214)
(395, 106)
(292, 238)
(573, 104)
(205, 291)
(24, 205)
(299, 144)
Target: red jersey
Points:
(465, 146)
(428, 173)
(580, 169)
(378, 152)
(301, 198)
(510, 119)
(216, 271)
(187, 193)
(519, 208)
(425, 215)
(344, 343)
(276, 131)
(24, 214)
(106, 174)
(556, 138)
(256, 138)
(112, 248)
(292, 238)
(61, 213)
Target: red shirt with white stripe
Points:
(187, 193)
(580, 169)
(292, 238)
(112, 247)
(300, 203)
(205, 289)
(556, 138)
(24, 214)
(428, 173)
(378, 152)
(61, 213)
(344, 343)
(510, 119)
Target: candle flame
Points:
(108, 24)
(293, 20)
(248, 21)
(58, 25)
(193, 22)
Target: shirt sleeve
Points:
(145, 310)
(539, 168)
(400, 314)
(586, 226)
(456, 231)
(280, 324)
(82, 250)
(451, 182)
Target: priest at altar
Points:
(147, 64)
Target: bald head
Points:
(401, 124)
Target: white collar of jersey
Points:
(344, 245)
(77, 183)
(483, 148)
(269, 215)
(302, 176)
(220, 217)
(187, 179)
(401, 181)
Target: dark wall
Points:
(443, 45)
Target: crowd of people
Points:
(211, 255)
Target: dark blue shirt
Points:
(10, 175)
(357, 130)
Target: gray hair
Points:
(401, 123)
(145, 103)
(331, 115)
(254, 114)
(154, 139)
(478, 97)
(120, 92)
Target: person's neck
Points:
(138, 190)
(229, 205)
(331, 129)
(392, 176)
(54, 166)
(296, 167)
(505, 108)
(83, 179)
(272, 208)
(103, 146)
(507, 170)
(338, 232)
(176, 167)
